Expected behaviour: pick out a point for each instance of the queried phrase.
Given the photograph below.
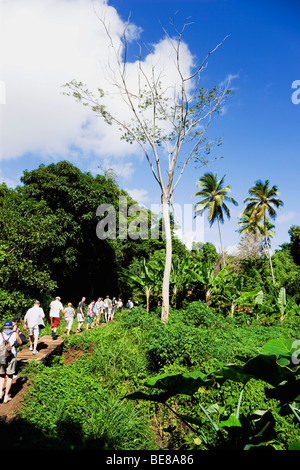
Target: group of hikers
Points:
(11, 337)
(106, 307)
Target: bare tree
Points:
(168, 121)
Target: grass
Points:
(81, 405)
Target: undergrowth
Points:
(82, 405)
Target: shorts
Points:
(80, 317)
(69, 323)
(34, 331)
(10, 368)
(54, 321)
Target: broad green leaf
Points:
(232, 421)
(186, 384)
(156, 397)
(279, 347)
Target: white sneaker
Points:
(34, 351)
(30, 348)
(6, 398)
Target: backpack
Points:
(5, 349)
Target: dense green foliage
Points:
(219, 316)
(80, 404)
(49, 242)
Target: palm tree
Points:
(262, 202)
(250, 223)
(215, 196)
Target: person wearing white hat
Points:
(55, 308)
(8, 369)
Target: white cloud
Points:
(2, 92)
(141, 196)
(285, 217)
(46, 43)
(232, 249)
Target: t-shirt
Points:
(69, 312)
(34, 316)
(90, 310)
(12, 341)
(96, 306)
(107, 303)
(55, 308)
(80, 307)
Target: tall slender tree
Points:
(168, 121)
(262, 202)
(214, 200)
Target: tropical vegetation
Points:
(222, 373)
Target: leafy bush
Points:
(196, 314)
(137, 317)
(245, 427)
(69, 406)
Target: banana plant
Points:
(281, 302)
(145, 281)
(205, 274)
(181, 275)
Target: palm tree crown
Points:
(214, 200)
(263, 201)
(251, 223)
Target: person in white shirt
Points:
(55, 307)
(96, 310)
(69, 314)
(8, 370)
(33, 318)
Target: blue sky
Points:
(47, 43)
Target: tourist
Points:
(80, 314)
(55, 308)
(90, 315)
(119, 304)
(69, 315)
(8, 370)
(107, 309)
(101, 307)
(34, 318)
(97, 310)
(15, 321)
(114, 306)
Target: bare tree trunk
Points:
(147, 300)
(271, 266)
(222, 249)
(167, 271)
(268, 248)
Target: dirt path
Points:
(46, 347)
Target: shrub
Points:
(196, 314)
(71, 410)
